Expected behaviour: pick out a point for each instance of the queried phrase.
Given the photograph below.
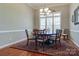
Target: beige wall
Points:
(74, 29)
(64, 16)
(36, 18)
(14, 19)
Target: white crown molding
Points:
(42, 5)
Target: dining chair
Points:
(65, 33)
(40, 38)
(28, 39)
(57, 37)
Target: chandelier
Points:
(45, 10)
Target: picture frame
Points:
(76, 16)
(73, 18)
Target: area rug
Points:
(66, 48)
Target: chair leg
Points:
(43, 45)
(27, 42)
(60, 43)
(56, 43)
(67, 36)
(36, 44)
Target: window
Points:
(51, 21)
(57, 22)
(42, 23)
(49, 24)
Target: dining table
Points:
(43, 35)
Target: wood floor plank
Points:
(17, 52)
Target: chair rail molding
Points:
(11, 31)
(74, 30)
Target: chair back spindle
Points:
(27, 33)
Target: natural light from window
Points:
(51, 21)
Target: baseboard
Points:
(9, 44)
(74, 42)
(77, 31)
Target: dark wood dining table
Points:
(43, 35)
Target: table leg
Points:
(43, 43)
(67, 36)
(35, 43)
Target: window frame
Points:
(52, 20)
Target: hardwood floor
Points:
(17, 52)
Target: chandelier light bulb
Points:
(41, 10)
(46, 9)
(49, 11)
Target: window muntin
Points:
(51, 21)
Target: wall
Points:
(64, 16)
(64, 9)
(14, 19)
(74, 29)
(36, 18)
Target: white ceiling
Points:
(41, 5)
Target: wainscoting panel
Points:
(75, 37)
(10, 37)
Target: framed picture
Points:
(72, 18)
(76, 16)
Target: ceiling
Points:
(42, 5)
